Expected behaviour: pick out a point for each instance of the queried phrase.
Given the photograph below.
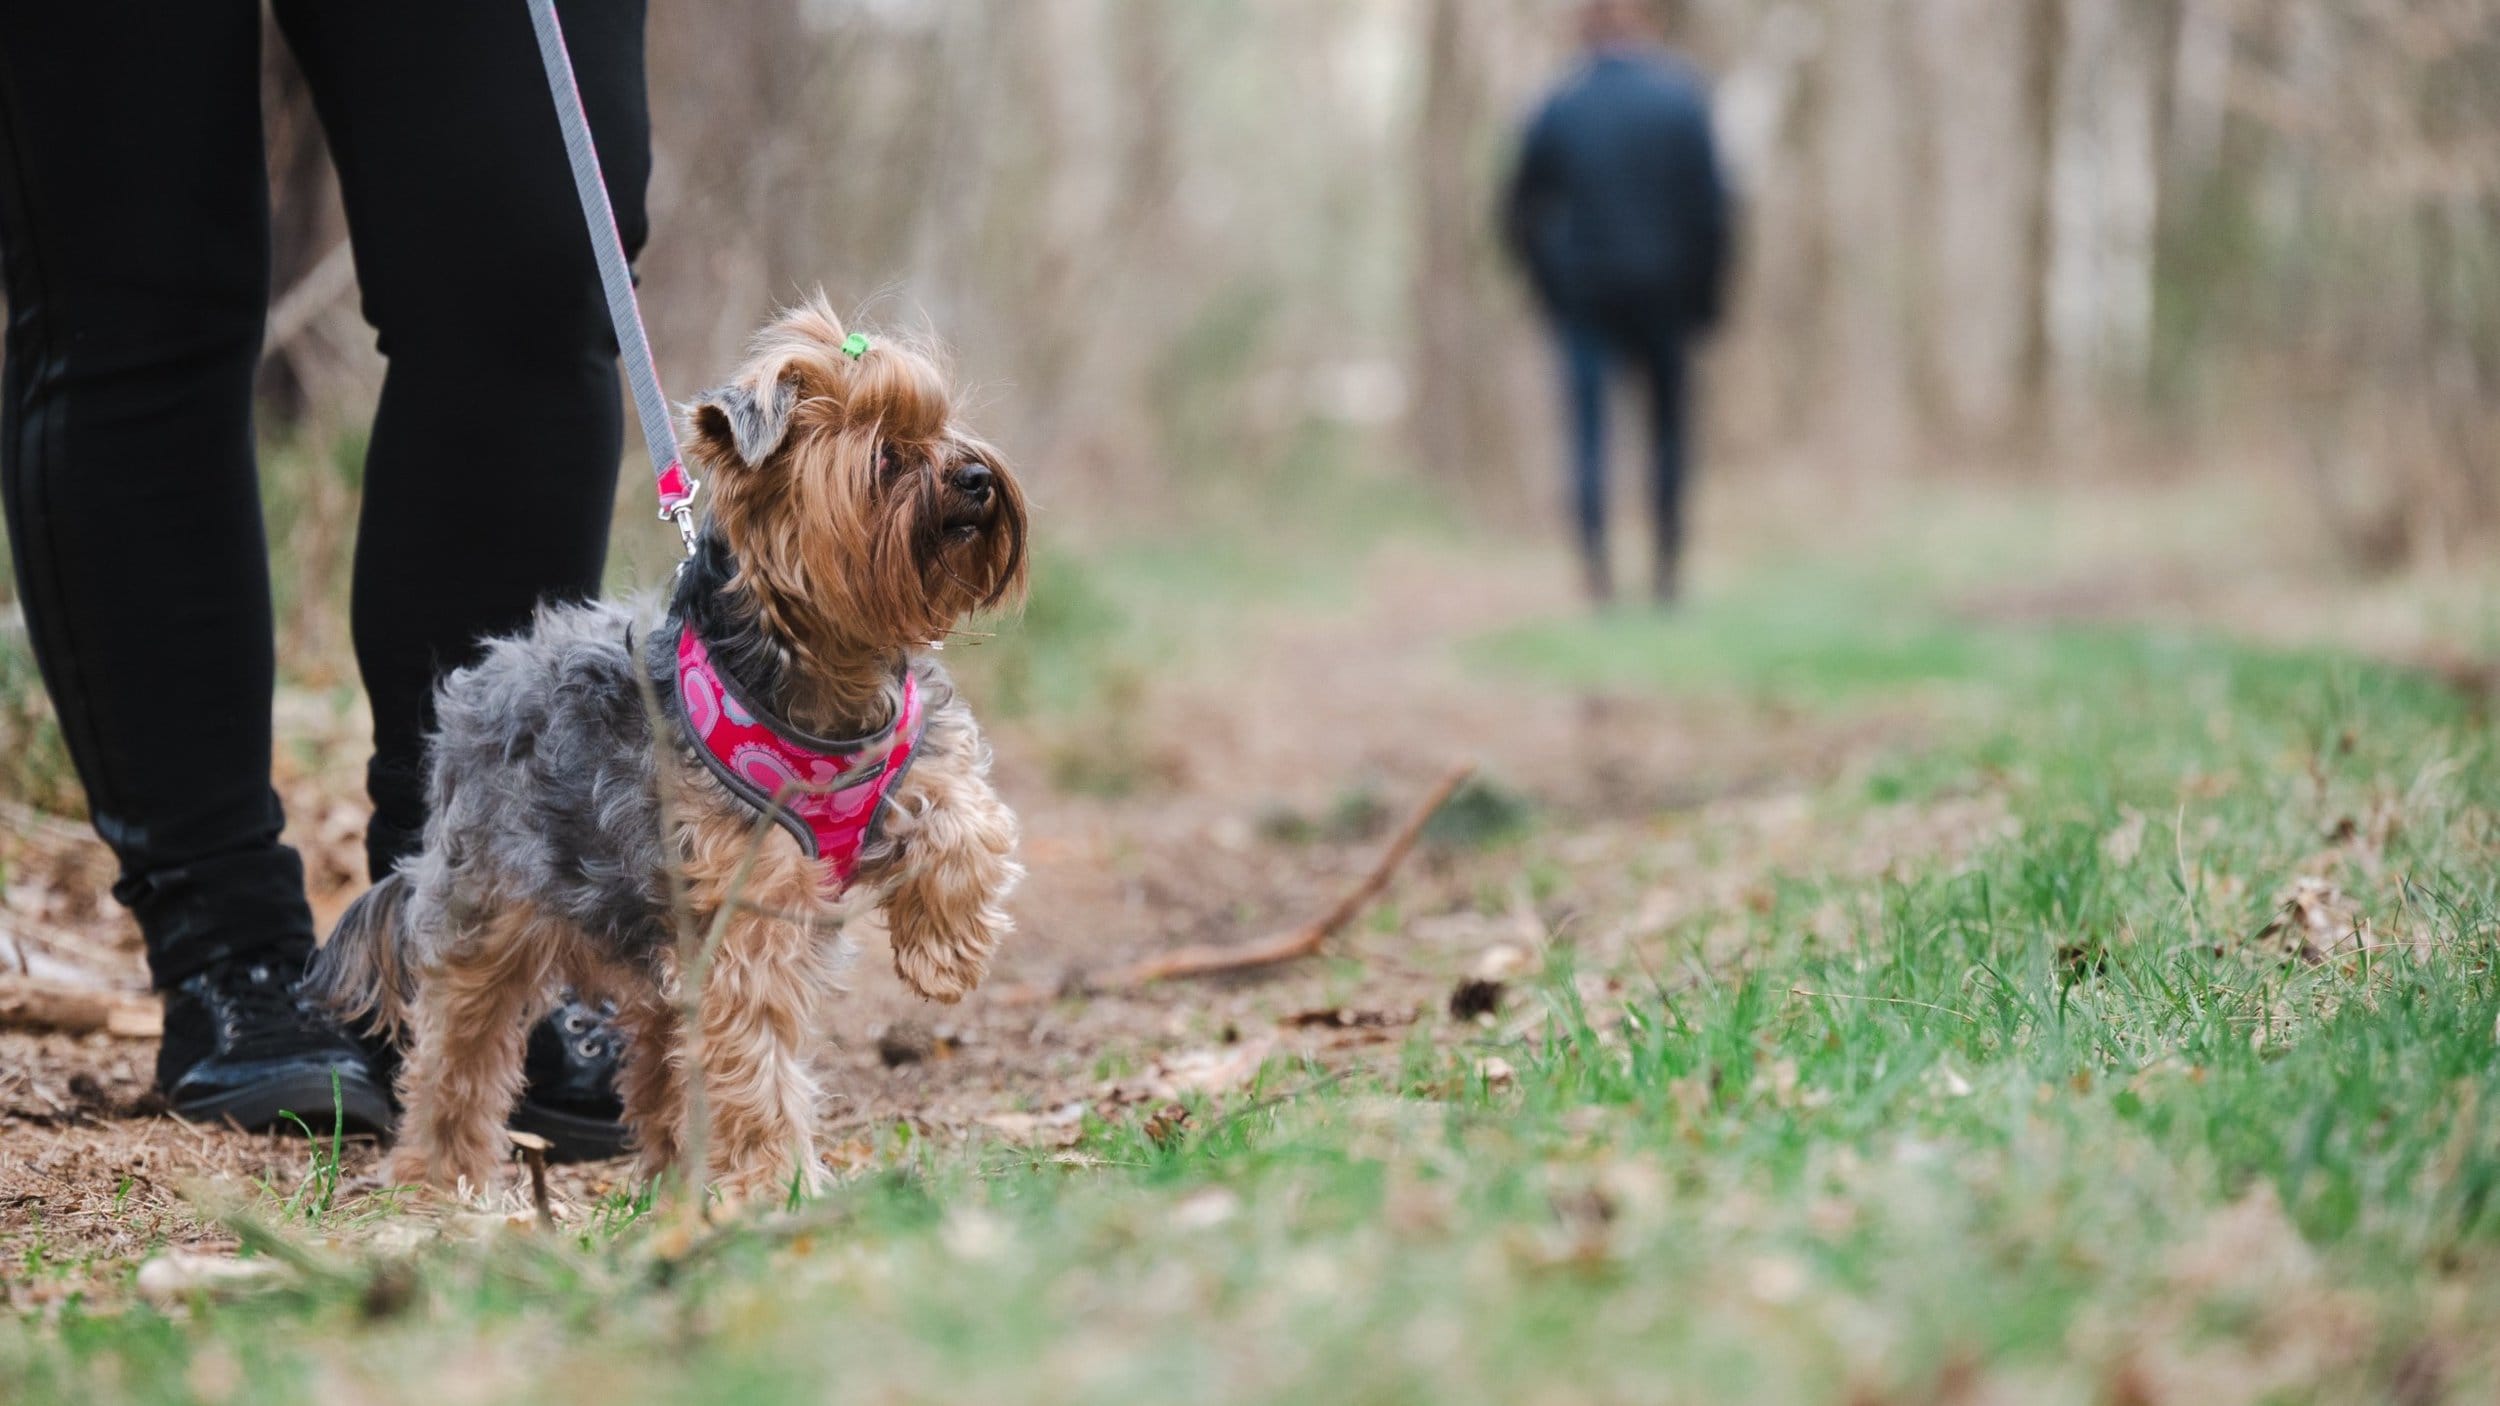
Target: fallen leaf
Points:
(171, 1279)
(1205, 1210)
(1343, 1018)
(849, 1155)
(1058, 1127)
(1194, 1072)
(907, 1042)
(1165, 1125)
(1502, 961)
(2314, 920)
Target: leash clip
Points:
(677, 493)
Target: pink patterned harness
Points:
(829, 794)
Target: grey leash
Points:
(676, 487)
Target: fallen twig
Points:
(533, 1150)
(1305, 941)
(71, 1010)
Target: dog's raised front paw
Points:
(943, 974)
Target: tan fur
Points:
(836, 526)
(953, 868)
(463, 1070)
(831, 526)
(653, 1080)
(776, 965)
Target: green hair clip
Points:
(856, 346)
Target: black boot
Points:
(569, 1097)
(241, 1046)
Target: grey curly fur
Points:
(543, 786)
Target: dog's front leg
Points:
(946, 863)
(757, 1017)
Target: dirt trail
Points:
(1305, 708)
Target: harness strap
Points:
(677, 488)
(831, 795)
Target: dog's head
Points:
(862, 515)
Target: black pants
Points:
(134, 219)
(1657, 347)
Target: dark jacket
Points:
(1618, 209)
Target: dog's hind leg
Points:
(464, 1071)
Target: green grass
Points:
(2053, 1120)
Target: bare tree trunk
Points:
(305, 219)
(1865, 170)
(1980, 189)
(2105, 205)
(1460, 431)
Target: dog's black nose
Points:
(974, 480)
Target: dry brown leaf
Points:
(1058, 1127)
(910, 1042)
(1166, 1125)
(2314, 921)
(1503, 961)
(1213, 1071)
(1344, 1018)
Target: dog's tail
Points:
(362, 973)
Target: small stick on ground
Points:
(71, 1010)
(1307, 940)
(533, 1150)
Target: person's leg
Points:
(492, 471)
(138, 274)
(134, 222)
(1667, 368)
(1587, 365)
(491, 476)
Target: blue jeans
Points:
(1592, 349)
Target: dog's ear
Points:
(738, 424)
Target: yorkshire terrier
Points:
(610, 792)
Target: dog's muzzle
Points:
(972, 491)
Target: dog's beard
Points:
(863, 519)
(975, 548)
(898, 574)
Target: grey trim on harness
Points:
(663, 660)
(808, 741)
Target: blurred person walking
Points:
(135, 228)
(1620, 215)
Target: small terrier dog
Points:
(852, 522)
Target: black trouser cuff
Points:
(247, 903)
(397, 829)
